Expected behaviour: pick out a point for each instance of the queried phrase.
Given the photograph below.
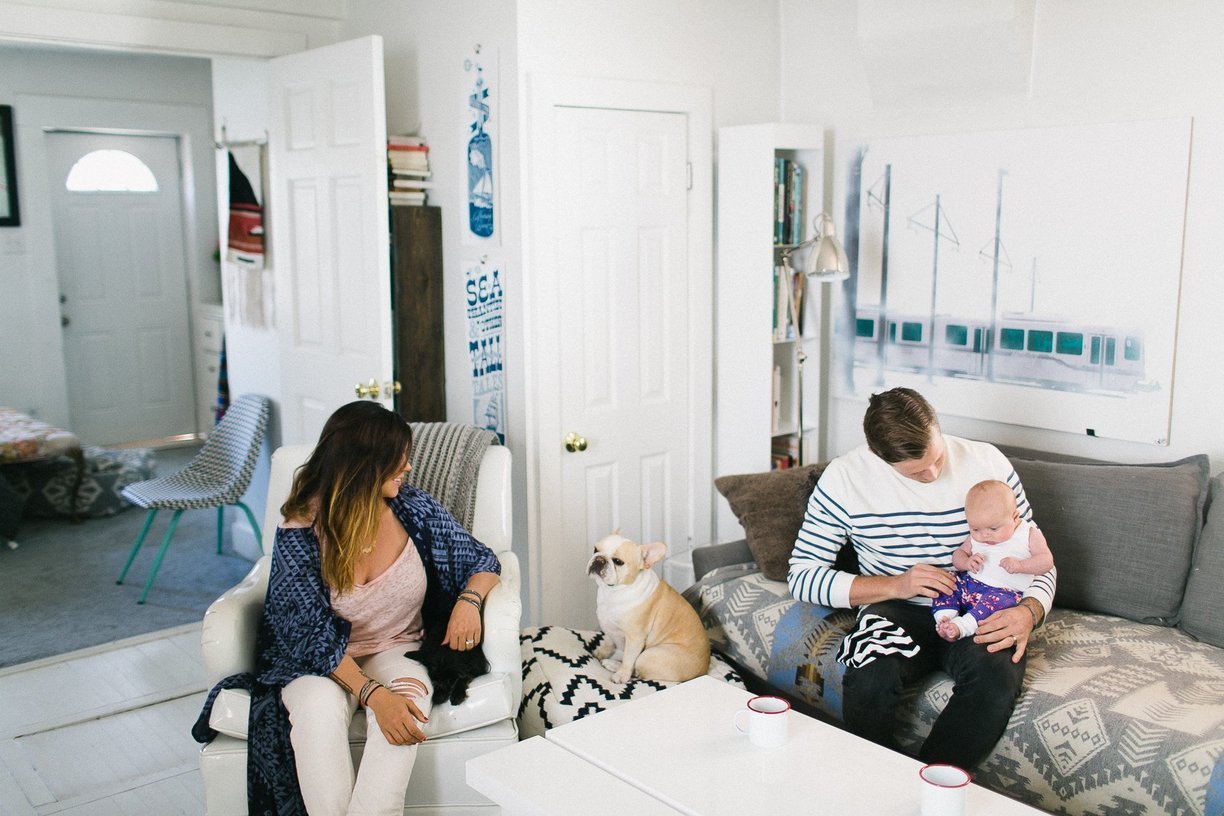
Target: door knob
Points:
(369, 389)
(392, 387)
(575, 443)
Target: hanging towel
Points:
(246, 228)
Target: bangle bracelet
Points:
(479, 606)
(1029, 607)
(366, 690)
(473, 593)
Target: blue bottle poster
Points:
(480, 146)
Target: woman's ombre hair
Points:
(338, 490)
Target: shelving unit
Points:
(747, 352)
(416, 292)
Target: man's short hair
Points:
(899, 424)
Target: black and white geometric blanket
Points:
(563, 680)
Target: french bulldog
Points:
(650, 630)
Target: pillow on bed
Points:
(770, 508)
(1122, 535)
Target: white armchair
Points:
(482, 723)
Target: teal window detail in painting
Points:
(1132, 349)
(911, 332)
(864, 327)
(1069, 343)
(1041, 341)
(956, 335)
(1011, 339)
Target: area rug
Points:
(58, 591)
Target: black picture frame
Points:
(10, 216)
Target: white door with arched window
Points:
(117, 206)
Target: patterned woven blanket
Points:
(446, 461)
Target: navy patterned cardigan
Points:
(300, 635)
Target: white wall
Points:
(1066, 62)
(73, 88)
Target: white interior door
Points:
(329, 229)
(623, 357)
(122, 271)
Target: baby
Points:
(996, 563)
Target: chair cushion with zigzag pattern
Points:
(563, 680)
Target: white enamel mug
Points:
(764, 720)
(943, 790)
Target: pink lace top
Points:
(385, 612)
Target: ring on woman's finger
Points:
(469, 641)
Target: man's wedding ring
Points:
(1013, 637)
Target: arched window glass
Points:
(111, 171)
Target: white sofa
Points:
(482, 723)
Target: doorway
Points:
(121, 262)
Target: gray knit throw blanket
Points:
(446, 462)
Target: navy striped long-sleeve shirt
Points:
(893, 522)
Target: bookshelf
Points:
(756, 366)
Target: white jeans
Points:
(320, 713)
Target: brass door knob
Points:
(575, 443)
(369, 389)
(392, 387)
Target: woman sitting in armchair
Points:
(362, 567)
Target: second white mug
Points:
(764, 720)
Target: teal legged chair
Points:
(216, 477)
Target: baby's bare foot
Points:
(947, 630)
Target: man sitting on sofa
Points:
(899, 500)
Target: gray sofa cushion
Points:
(1123, 536)
(770, 508)
(1200, 614)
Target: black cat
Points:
(450, 671)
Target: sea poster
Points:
(485, 332)
(1029, 277)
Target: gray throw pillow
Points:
(1123, 536)
(770, 508)
(1200, 613)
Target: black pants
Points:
(983, 695)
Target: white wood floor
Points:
(104, 731)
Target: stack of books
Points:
(408, 160)
(788, 202)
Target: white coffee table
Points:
(681, 747)
(539, 778)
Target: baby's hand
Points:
(976, 562)
(1010, 564)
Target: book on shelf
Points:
(775, 415)
(417, 183)
(781, 171)
(784, 317)
(794, 204)
(788, 201)
(406, 198)
(784, 452)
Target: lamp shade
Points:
(827, 260)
